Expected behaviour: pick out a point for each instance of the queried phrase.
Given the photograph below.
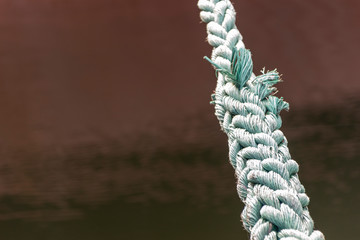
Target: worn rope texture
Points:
(267, 180)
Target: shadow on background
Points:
(184, 191)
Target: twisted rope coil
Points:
(276, 205)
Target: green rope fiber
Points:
(276, 205)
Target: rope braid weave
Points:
(267, 179)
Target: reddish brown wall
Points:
(73, 70)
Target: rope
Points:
(276, 205)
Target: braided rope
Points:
(267, 180)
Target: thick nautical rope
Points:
(276, 205)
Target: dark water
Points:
(181, 189)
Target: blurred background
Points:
(106, 131)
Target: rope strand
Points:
(276, 205)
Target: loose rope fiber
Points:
(276, 205)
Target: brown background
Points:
(105, 105)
